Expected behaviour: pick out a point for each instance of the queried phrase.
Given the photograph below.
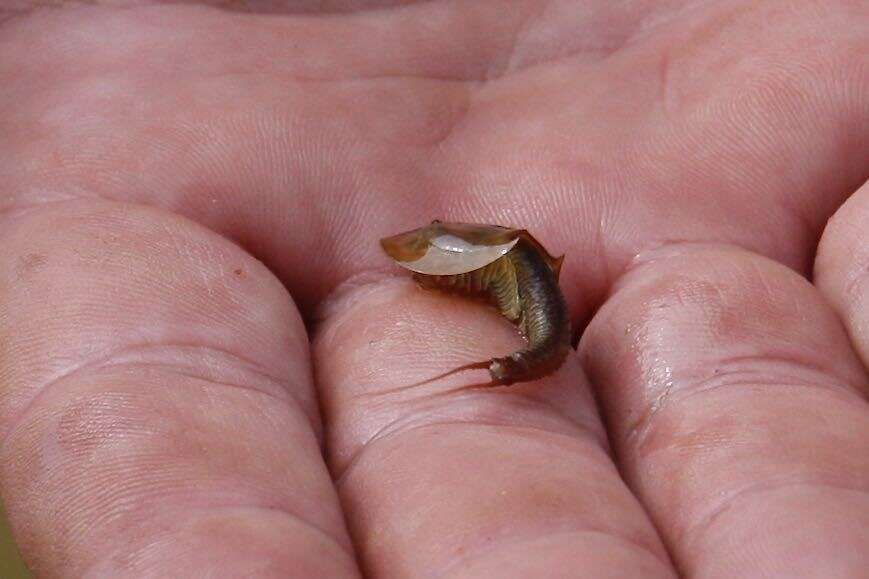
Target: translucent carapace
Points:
(456, 248)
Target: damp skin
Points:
(508, 268)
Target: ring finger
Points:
(737, 410)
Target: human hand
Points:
(159, 412)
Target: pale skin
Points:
(183, 185)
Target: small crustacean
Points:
(507, 266)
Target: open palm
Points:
(183, 185)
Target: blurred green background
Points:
(11, 566)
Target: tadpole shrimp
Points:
(510, 269)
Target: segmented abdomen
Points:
(545, 319)
(525, 289)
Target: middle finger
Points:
(503, 482)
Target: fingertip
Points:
(153, 374)
(842, 267)
(517, 469)
(730, 387)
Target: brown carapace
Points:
(509, 268)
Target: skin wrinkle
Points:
(349, 79)
(480, 552)
(290, 8)
(346, 294)
(803, 373)
(727, 502)
(667, 95)
(638, 430)
(30, 7)
(245, 75)
(296, 7)
(124, 499)
(133, 492)
(342, 74)
(804, 367)
(127, 497)
(397, 427)
(213, 511)
(456, 120)
(533, 434)
(9, 14)
(18, 209)
(114, 359)
(500, 67)
(323, 533)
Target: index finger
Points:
(156, 409)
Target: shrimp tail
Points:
(484, 365)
